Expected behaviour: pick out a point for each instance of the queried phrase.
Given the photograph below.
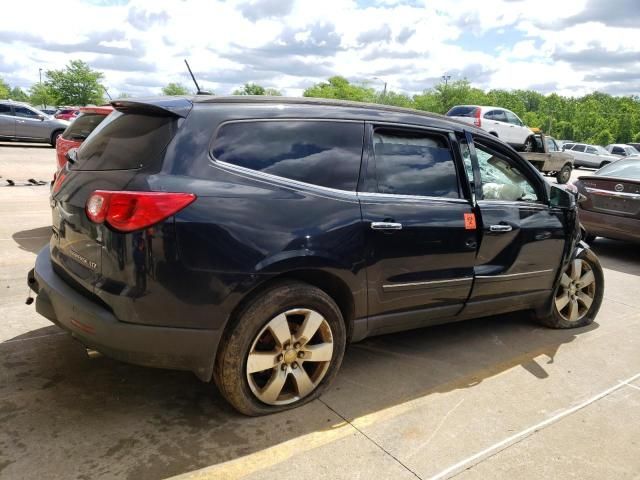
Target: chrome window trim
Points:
(363, 196)
(512, 275)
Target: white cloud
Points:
(570, 46)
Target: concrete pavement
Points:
(491, 398)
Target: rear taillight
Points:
(477, 121)
(129, 211)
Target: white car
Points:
(592, 156)
(621, 150)
(500, 122)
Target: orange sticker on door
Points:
(469, 221)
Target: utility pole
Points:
(446, 79)
(384, 92)
(40, 71)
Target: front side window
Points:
(318, 152)
(414, 163)
(5, 109)
(501, 180)
(25, 112)
(512, 119)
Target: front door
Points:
(522, 237)
(420, 251)
(28, 123)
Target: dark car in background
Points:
(611, 204)
(249, 239)
(86, 122)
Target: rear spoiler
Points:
(163, 106)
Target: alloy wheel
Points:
(576, 292)
(289, 357)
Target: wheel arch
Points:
(53, 134)
(330, 283)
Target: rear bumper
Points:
(610, 226)
(96, 327)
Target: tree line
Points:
(596, 118)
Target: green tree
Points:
(636, 138)
(340, 88)
(250, 89)
(272, 92)
(175, 89)
(77, 84)
(604, 137)
(4, 89)
(19, 95)
(40, 94)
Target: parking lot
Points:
(499, 397)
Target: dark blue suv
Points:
(250, 239)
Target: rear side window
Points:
(83, 126)
(5, 109)
(126, 141)
(317, 152)
(578, 148)
(464, 111)
(497, 115)
(414, 163)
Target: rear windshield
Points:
(464, 111)
(126, 141)
(83, 126)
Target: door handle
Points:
(386, 226)
(500, 228)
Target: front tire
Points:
(578, 296)
(283, 349)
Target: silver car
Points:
(592, 156)
(20, 121)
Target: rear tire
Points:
(529, 145)
(54, 137)
(578, 296)
(564, 174)
(299, 332)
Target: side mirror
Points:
(72, 155)
(41, 118)
(561, 198)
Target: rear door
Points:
(522, 238)
(7, 121)
(496, 121)
(420, 251)
(517, 131)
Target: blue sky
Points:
(571, 47)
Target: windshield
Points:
(464, 111)
(126, 141)
(627, 169)
(83, 126)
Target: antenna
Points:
(107, 92)
(198, 91)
